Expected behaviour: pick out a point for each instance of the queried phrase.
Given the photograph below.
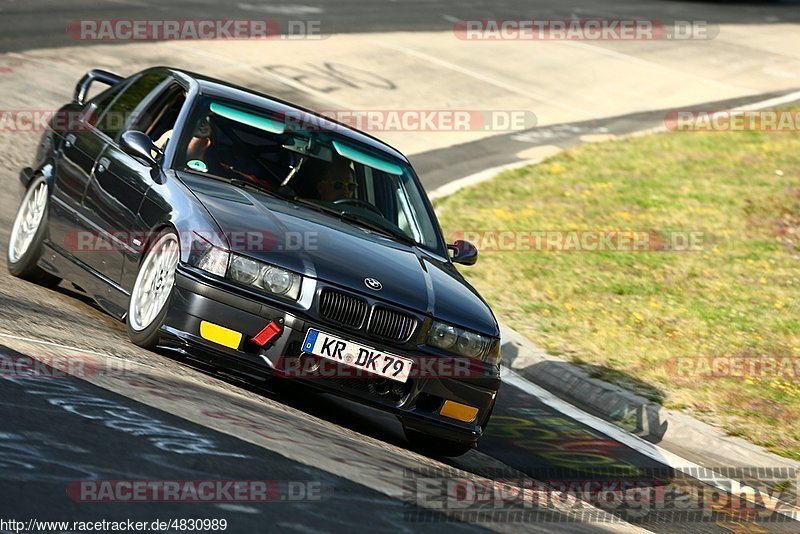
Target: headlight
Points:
(245, 270)
(470, 344)
(442, 335)
(269, 278)
(463, 342)
(206, 256)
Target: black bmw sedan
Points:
(241, 229)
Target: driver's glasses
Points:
(350, 187)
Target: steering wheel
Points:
(358, 203)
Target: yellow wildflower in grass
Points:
(503, 214)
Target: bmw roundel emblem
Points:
(373, 284)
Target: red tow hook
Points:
(270, 332)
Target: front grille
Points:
(389, 324)
(342, 309)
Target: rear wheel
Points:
(435, 446)
(27, 236)
(152, 290)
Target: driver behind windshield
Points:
(337, 181)
(318, 179)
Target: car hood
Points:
(340, 253)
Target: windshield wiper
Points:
(238, 182)
(359, 221)
(372, 225)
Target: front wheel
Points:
(27, 236)
(152, 290)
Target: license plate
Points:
(362, 357)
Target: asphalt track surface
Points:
(336, 466)
(27, 24)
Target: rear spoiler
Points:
(94, 75)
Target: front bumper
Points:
(417, 403)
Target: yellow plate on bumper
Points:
(461, 412)
(220, 335)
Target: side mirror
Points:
(138, 145)
(464, 252)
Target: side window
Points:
(96, 106)
(157, 115)
(119, 113)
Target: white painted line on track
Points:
(77, 350)
(486, 175)
(51, 344)
(646, 448)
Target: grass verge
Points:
(654, 320)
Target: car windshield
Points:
(300, 160)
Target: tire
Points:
(432, 446)
(152, 291)
(26, 239)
